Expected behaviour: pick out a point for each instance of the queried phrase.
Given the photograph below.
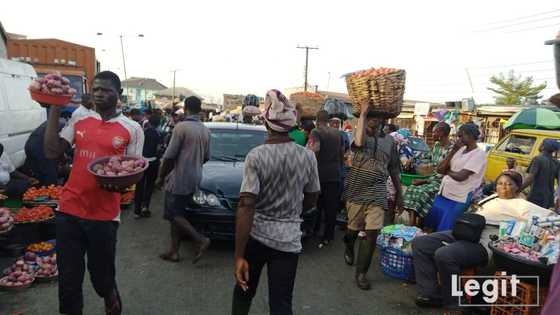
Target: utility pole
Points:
(124, 68)
(470, 81)
(306, 62)
(174, 73)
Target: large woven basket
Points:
(307, 104)
(384, 94)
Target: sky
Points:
(243, 47)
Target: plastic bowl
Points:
(49, 99)
(120, 181)
(516, 265)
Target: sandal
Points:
(170, 257)
(201, 249)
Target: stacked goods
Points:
(536, 240)
(47, 267)
(381, 89)
(118, 171)
(32, 215)
(39, 248)
(20, 275)
(119, 166)
(52, 89)
(127, 197)
(51, 192)
(6, 220)
(395, 244)
(307, 103)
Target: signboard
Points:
(421, 109)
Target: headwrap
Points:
(514, 176)
(551, 145)
(471, 129)
(279, 114)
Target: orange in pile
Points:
(39, 213)
(40, 247)
(307, 94)
(52, 192)
(373, 72)
(127, 197)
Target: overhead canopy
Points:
(534, 118)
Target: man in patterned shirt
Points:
(280, 180)
(375, 159)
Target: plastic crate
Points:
(397, 264)
(526, 295)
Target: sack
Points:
(468, 227)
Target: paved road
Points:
(150, 286)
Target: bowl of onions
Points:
(52, 89)
(121, 171)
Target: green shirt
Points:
(298, 136)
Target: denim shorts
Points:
(175, 205)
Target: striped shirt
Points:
(366, 182)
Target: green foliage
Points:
(514, 90)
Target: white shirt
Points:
(6, 168)
(81, 111)
(474, 161)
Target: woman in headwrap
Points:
(280, 180)
(463, 170)
(440, 255)
(420, 196)
(543, 171)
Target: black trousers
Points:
(281, 268)
(432, 256)
(75, 238)
(328, 205)
(145, 188)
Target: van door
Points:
(516, 146)
(19, 114)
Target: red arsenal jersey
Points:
(94, 138)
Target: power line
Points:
(512, 65)
(533, 28)
(515, 24)
(523, 17)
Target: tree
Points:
(515, 90)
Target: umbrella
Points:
(534, 118)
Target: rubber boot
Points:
(365, 255)
(349, 242)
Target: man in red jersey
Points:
(88, 216)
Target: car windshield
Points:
(233, 145)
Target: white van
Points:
(19, 114)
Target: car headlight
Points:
(207, 199)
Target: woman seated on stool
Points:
(441, 253)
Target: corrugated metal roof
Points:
(143, 83)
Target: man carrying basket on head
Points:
(375, 158)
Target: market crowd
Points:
(322, 162)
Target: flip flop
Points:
(169, 257)
(201, 250)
